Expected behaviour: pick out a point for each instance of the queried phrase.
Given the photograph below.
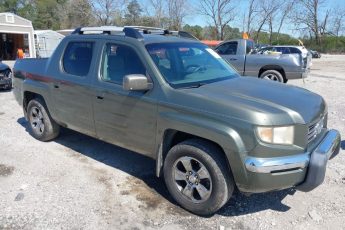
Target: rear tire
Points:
(41, 124)
(273, 75)
(197, 176)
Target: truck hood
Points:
(260, 101)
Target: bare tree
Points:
(288, 7)
(267, 8)
(277, 18)
(252, 11)
(158, 6)
(221, 12)
(338, 21)
(76, 13)
(177, 11)
(105, 10)
(307, 17)
(324, 24)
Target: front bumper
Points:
(306, 170)
(5, 82)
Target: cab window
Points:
(119, 61)
(77, 58)
(229, 48)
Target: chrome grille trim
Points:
(315, 129)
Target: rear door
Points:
(72, 90)
(230, 52)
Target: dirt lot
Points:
(77, 182)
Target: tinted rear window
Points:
(77, 58)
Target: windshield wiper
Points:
(197, 85)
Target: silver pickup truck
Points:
(276, 67)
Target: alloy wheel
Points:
(36, 120)
(192, 179)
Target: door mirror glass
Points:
(136, 82)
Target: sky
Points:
(193, 18)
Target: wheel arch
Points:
(32, 89)
(224, 137)
(278, 68)
(27, 97)
(173, 137)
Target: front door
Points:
(124, 118)
(229, 51)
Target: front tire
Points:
(273, 75)
(41, 124)
(197, 176)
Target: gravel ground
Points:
(77, 182)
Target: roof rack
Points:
(183, 34)
(110, 30)
(131, 31)
(150, 30)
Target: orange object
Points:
(20, 53)
(211, 43)
(245, 35)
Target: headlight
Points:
(276, 135)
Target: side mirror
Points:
(136, 82)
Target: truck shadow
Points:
(342, 144)
(143, 168)
(5, 90)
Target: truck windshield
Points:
(189, 64)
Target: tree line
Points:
(314, 21)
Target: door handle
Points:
(233, 59)
(100, 94)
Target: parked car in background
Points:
(259, 46)
(315, 54)
(5, 76)
(276, 67)
(288, 50)
(46, 41)
(285, 50)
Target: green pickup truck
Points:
(177, 101)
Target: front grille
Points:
(315, 129)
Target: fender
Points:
(222, 134)
(41, 88)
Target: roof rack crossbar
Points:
(150, 30)
(131, 31)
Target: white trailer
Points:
(46, 41)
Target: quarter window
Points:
(77, 58)
(118, 61)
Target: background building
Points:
(16, 33)
(46, 41)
